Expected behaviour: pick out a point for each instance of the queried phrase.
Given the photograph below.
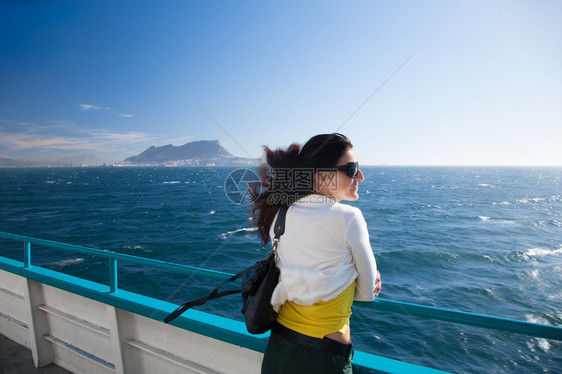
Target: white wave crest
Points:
(498, 220)
(227, 234)
(535, 274)
(133, 247)
(502, 203)
(528, 200)
(542, 252)
(535, 319)
(70, 261)
(541, 343)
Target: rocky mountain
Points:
(197, 153)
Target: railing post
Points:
(26, 254)
(112, 275)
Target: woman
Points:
(324, 256)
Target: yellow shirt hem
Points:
(320, 319)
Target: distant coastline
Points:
(31, 165)
(194, 154)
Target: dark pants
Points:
(288, 357)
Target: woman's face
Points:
(342, 187)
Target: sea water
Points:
(481, 240)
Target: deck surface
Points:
(16, 359)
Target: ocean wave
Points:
(546, 223)
(500, 220)
(528, 200)
(428, 206)
(556, 297)
(245, 230)
(171, 182)
(532, 254)
(488, 185)
(502, 203)
(533, 344)
(554, 199)
(133, 247)
(540, 343)
(490, 293)
(535, 273)
(70, 261)
(541, 252)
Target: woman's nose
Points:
(359, 177)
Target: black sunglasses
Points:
(350, 169)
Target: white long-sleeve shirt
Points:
(324, 249)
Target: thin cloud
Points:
(67, 137)
(90, 107)
(131, 137)
(34, 141)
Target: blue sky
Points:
(482, 84)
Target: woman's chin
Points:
(354, 195)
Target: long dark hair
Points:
(288, 175)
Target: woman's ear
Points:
(325, 182)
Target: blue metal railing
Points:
(454, 316)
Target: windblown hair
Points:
(278, 184)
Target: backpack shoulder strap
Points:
(215, 294)
(279, 228)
